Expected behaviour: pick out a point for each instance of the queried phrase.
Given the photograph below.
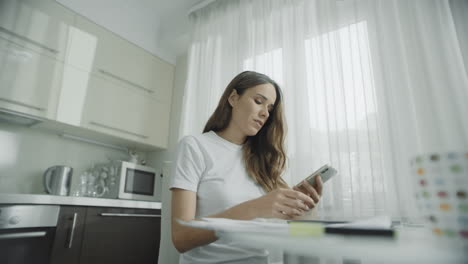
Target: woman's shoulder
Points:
(195, 140)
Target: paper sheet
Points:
(255, 226)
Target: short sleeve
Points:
(188, 166)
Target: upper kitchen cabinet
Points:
(33, 44)
(122, 62)
(125, 113)
(28, 80)
(39, 25)
(58, 65)
(115, 87)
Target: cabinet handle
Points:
(72, 232)
(23, 104)
(117, 129)
(125, 81)
(23, 235)
(15, 113)
(11, 33)
(129, 215)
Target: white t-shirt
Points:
(213, 168)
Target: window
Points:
(269, 63)
(343, 116)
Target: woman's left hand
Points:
(312, 190)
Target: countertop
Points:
(7, 198)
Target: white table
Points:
(410, 245)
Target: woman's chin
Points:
(252, 132)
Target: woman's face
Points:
(251, 110)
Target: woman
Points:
(233, 170)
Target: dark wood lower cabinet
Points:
(121, 236)
(68, 235)
(113, 236)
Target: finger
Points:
(300, 188)
(287, 216)
(310, 190)
(281, 215)
(319, 184)
(301, 196)
(296, 203)
(289, 210)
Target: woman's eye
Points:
(258, 101)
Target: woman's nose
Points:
(264, 113)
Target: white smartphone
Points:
(325, 172)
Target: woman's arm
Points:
(280, 203)
(184, 238)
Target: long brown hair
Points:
(263, 154)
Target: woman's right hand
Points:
(281, 203)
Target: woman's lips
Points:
(259, 123)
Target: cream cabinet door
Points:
(122, 112)
(28, 80)
(124, 63)
(34, 36)
(39, 25)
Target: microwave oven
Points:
(131, 181)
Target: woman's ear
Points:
(233, 97)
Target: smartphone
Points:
(325, 172)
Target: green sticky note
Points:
(305, 229)
(456, 168)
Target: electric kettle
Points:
(57, 180)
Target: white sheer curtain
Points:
(367, 84)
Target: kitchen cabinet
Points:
(121, 236)
(104, 235)
(28, 80)
(33, 41)
(117, 110)
(68, 235)
(39, 25)
(128, 91)
(81, 78)
(124, 63)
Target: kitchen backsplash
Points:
(25, 153)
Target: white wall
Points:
(167, 252)
(157, 158)
(25, 153)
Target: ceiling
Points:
(174, 25)
(159, 26)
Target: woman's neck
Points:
(232, 136)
